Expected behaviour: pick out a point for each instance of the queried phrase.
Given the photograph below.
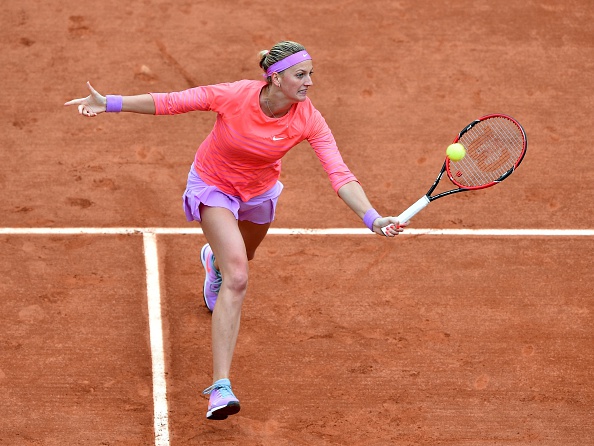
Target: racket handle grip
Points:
(411, 211)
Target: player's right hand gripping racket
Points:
(495, 146)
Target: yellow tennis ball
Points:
(456, 151)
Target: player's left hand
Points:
(394, 228)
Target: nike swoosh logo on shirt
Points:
(276, 138)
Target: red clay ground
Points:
(353, 340)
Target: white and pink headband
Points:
(287, 62)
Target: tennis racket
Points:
(495, 146)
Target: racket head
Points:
(495, 146)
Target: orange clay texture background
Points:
(354, 340)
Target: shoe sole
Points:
(221, 413)
(203, 260)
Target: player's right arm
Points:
(96, 103)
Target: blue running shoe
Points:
(222, 401)
(213, 278)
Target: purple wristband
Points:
(113, 103)
(370, 216)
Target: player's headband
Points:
(287, 62)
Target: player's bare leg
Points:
(233, 244)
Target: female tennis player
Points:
(233, 185)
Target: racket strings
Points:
(493, 147)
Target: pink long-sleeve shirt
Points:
(242, 154)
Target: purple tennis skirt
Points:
(259, 210)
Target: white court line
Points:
(303, 231)
(153, 291)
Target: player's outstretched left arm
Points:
(353, 195)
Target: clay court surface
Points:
(426, 339)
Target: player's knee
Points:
(236, 280)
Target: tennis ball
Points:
(456, 151)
